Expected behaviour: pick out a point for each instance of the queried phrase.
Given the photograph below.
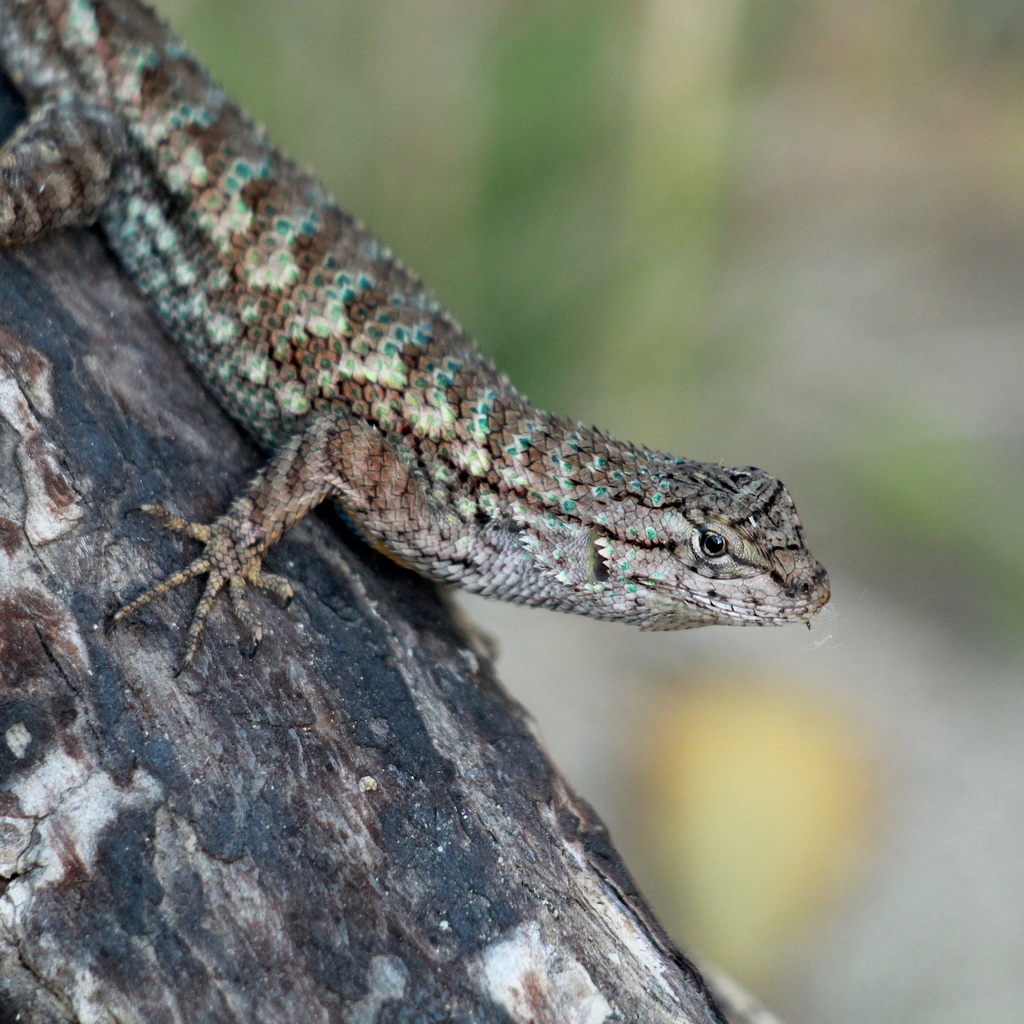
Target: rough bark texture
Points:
(356, 824)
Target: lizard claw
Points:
(228, 561)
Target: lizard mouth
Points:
(786, 594)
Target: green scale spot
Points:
(651, 533)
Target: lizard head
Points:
(738, 557)
(692, 544)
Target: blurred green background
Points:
(787, 233)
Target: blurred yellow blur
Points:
(756, 802)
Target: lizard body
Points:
(329, 352)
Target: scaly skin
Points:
(330, 353)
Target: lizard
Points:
(333, 357)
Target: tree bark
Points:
(355, 824)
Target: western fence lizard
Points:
(329, 352)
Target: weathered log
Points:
(354, 824)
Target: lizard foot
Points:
(229, 559)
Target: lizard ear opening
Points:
(598, 566)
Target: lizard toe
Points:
(214, 585)
(244, 612)
(201, 532)
(197, 567)
(274, 586)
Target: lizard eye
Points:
(713, 544)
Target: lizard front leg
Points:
(337, 456)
